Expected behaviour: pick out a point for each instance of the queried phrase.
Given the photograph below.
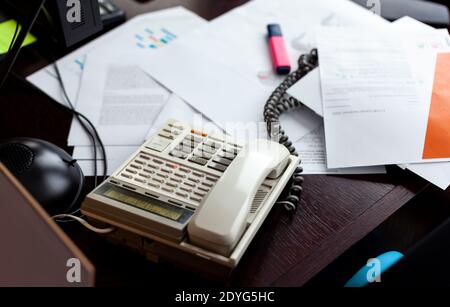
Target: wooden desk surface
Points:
(335, 212)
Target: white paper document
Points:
(224, 68)
(119, 98)
(374, 110)
(311, 149)
(147, 33)
(308, 89)
(436, 173)
(112, 152)
(88, 166)
(177, 109)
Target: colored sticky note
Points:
(7, 29)
(437, 139)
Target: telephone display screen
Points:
(145, 203)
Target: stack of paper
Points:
(228, 77)
(377, 107)
(384, 98)
(106, 83)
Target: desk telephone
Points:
(200, 198)
(200, 193)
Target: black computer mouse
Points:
(50, 174)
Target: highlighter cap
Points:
(274, 29)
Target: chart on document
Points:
(144, 34)
(150, 38)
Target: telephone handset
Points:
(220, 221)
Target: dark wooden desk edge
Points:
(365, 223)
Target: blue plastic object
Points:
(386, 260)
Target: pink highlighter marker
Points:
(278, 52)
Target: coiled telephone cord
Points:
(278, 103)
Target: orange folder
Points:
(437, 138)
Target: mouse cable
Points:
(78, 116)
(84, 223)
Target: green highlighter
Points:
(7, 29)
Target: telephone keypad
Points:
(197, 174)
(186, 146)
(227, 155)
(139, 180)
(199, 148)
(175, 179)
(158, 180)
(203, 155)
(185, 189)
(165, 176)
(178, 154)
(135, 166)
(189, 184)
(166, 135)
(167, 189)
(211, 179)
(154, 185)
(199, 193)
(152, 166)
(195, 180)
(207, 184)
(180, 181)
(222, 161)
(166, 170)
(203, 189)
(197, 199)
(145, 157)
(159, 144)
(198, 160)
(217, 166)
(193, 138)
(207, 149)
(184, 195)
